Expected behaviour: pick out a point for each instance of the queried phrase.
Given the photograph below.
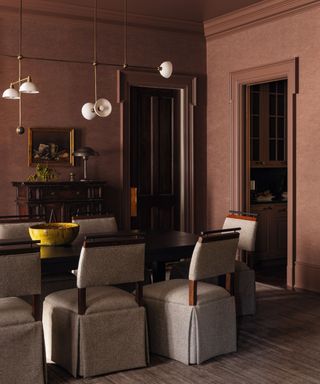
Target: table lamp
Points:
(85, 153)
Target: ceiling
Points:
(185, 10)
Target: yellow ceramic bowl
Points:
(54, 233)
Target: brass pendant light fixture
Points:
(101, 107)
(165, 69)
(25, 84)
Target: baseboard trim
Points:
(307, 276)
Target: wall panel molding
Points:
(254, 14)
(307, 276)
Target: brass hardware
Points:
(134, 201)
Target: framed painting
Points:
(52, 146)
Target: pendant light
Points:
(101, 107)
(165, 69)
(26, 84)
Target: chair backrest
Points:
(20, 268)
(108, 260)
(111, 260)
(17, 227)
(95, 224)
(214, 254)
(248, 225)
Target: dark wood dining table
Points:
(161, 247)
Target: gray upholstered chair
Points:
(94, 224)
(98, 328)
(244, 290)
(245, 280)
(189, 320)
(21, 335)
(17, 227)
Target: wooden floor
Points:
(280, 345)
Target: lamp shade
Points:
(102, 107)
(87, 111)
(28, 87)
(85, 152)
(166, 69)
(11, 93)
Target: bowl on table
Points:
(54, 233)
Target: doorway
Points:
(155, 169)
(287, 69)
(265, 170)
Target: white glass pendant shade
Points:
(103, 107)
(166, 69)
(87, 111)
(11, 93)
(28, 87)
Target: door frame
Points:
(187, 86)
(288, 69)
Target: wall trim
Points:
(254, 14)
(187, 85)
(287, 69)
(70, 11)
(307, 276)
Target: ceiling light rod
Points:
(100, 107)
(28, 78)
(165, 69)
(26, 85)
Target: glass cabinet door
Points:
(267, 115)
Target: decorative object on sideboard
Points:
(25, 84)
(165, 69)
(43, 173)
(85, 153)
(101, 107)
(52, 146)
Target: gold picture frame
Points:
(52, 146)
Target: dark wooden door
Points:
(154, 158)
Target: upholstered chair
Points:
(94, 224)
(245, 280)
(98, 328)
(244, 276)
(22, 357)
(17, 227)
(189, 320)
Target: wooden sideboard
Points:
(60, 200)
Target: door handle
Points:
(134, 201)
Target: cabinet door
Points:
(263, 233)
(267, 124)
(278, 238)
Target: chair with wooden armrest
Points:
(22, 358)
(245, 281)
(98, 328)
(192, 321)
(94, 224)
(17, 227)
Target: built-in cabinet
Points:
(59, 201)
(271, 241)
(268, 122)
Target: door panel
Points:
(154, 158)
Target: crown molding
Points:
(80, 12)
(254, 14)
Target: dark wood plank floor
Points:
(280, 345)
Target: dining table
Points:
(161, 247)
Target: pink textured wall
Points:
(277, 40)
(65, 87)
